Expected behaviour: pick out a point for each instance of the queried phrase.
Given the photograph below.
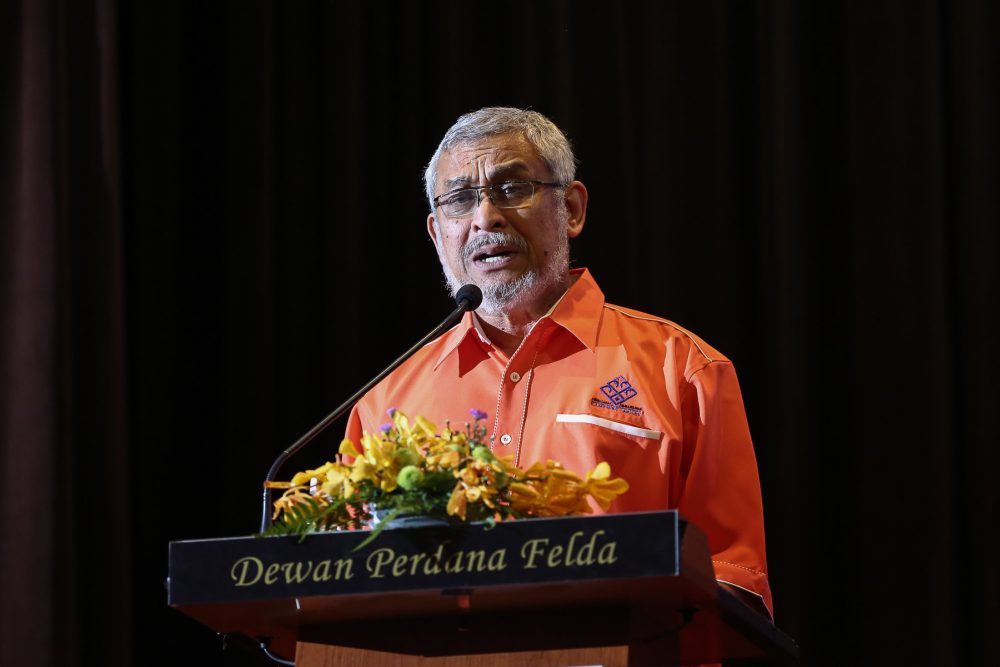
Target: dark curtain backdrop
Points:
(66, 547)
(213, 232)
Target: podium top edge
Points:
(671, 515)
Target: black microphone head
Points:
(468, 297)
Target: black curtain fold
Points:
(213, 230)
(66, 548)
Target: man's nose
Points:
(487, 216)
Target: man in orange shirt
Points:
(561, 373)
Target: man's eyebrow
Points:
(507, 169)
(500, 172)
(457, 182)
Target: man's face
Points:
(517, 257)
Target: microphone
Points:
(467, 298)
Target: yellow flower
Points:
(303, 478)
(603, 489)
(563, 475)
(378, 451)
(423, 429)
(336, 477)
(347, 448)
(457, 503)
(447, 459)
(550, 490)
(602, 471)
(416, 436)
(294, 496)
(362, 470)
(523, 497)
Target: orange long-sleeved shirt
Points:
(596, 382)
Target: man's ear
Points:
(431, 222)
(576, 204)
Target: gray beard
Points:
(501, 297)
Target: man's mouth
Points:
(492, 254)
(493, 250)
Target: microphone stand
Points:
(468, 298)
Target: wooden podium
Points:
(626, 589)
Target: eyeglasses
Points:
(512, 194)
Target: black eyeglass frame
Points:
(490, 191)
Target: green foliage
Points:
(310, 516)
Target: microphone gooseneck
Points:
(467, 298)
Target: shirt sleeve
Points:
(354, 429)
(363, 419)
(721, 489)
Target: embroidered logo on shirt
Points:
(618, 391)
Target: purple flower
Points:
(386, 427)
(477, 414)
(391, 412)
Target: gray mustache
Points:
(492, 238)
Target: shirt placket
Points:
(513, 393)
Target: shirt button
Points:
(505, 439)
(515, 376)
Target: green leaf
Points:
(379, 527)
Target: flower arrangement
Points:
(409, 468)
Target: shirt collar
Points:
(578, 311)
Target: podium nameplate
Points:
(457, 556)
(593, 581)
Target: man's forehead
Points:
(487, 158)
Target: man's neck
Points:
(506, 332)
(507, 329)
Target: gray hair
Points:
(552, 145)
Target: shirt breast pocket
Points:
(635, 453)
(607, 431)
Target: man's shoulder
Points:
(636, 325)
(414, 375)
(433, 352)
